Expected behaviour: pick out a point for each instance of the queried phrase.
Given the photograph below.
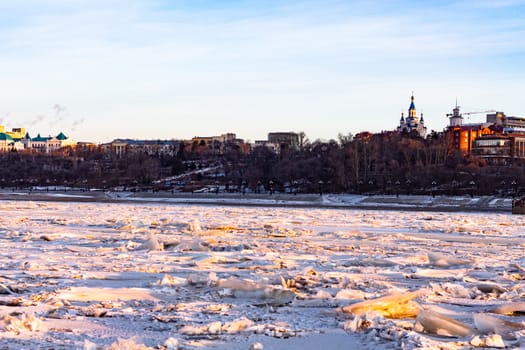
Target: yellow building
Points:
(17, 133)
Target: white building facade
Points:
(412, 123)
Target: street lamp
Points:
(370, 184)
(294, 187)
(515, 186)
(472, 184)
(454, 185)
(503, 185)
(271, 186)
(320, 187)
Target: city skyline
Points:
(178, 69)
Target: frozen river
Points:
(99, 275)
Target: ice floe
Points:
(154, 276)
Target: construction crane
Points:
(456, 117)
(480, 112)
(456, 114)
(469, 113)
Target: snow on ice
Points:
(154, 276)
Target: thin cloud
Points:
(38, 119)
(120, 60)
(77, 123)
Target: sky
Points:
(159, 69)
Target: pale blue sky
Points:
(102, 69)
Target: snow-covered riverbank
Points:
(402, 202)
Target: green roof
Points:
(5, 137)
(61, 137)
(39, 138)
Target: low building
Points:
(86, 146)
(500, 149)
(509, 125)
(462, 137)
(47, 144)
(500, 139)
(118, 147)
(8, 144)
(209, 140)
(18, 139)
(12, 140)
(264, 143)
(159, 148)
(363, 136)
(216, 145)
(496, 148)
(284, 140)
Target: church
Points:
(412, 123)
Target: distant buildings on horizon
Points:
(18, 139)
(213, 145)
(498, 140)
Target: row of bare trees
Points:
(381, 163)
(81, 168)
(365, 163)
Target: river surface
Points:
(88, 275)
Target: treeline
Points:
(367, 163)
(83, 168)
(378, 163)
